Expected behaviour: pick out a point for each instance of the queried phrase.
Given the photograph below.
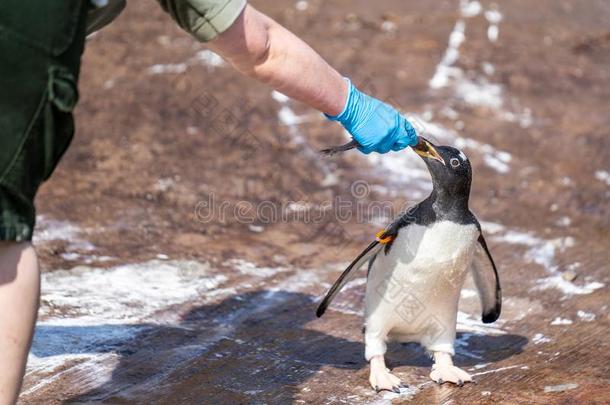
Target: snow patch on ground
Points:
(406, 393)
(493, 17)
(208, 58)
(204, 57)
(542, 252)
(470, 87)
(492, 227)
(496, 159)
(540, 338)
(445, 72)
(568, 287)
(48, 229)
(466, 323)
(479, 92)
(403, 168)
(169, 68)
(126, 293)
(561, 321)
(89, 314)
(603, 176)
(251, 269)
(468, 293)
(79, 248)
(586, 316)
(290, 119)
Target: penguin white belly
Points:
(412, 293)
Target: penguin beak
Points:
(425, 149)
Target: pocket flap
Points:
(62, 90)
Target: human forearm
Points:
(264, 50)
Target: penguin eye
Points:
(454, 162)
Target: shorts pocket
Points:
(62, 96)
(48, 135)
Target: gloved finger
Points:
(383, 148)
(399, 145)
(402, 142)
(365, 150)
(385, 144)
(408, 133)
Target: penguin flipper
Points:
(485, 275)
(348, 274)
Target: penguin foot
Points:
(442, 373)
(382, 379)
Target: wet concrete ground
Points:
(191, 229)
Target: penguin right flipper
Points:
(486, 279)
(367, 254)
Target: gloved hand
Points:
(375, 125)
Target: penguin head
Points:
(449, 167)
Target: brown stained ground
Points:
(263, 344)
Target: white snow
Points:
(603, 176)
(493, 32)
(492, 227)
(164, 184)
(540, 338)
(170, 68)
(466, 323)
(403, 167)
(444, 70)
(208, 58)
(480, 93)
(542, 252)
(204, 57)
(467, 293)
(48, 230)
(470, 8)
(289, 118)
(561, 321)
(302, 5)
(496, 164)
(586, 316)
(488, 68)
(568, 287)
(560, 387)
(87, 313)
(496, 159)
(125, 293)
(256, 228)
(493, 17)
(279, 97)
(251, 269)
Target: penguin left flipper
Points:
(486, 279)
(349, 273)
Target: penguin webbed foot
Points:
(381, 379)
(442, 373)
(443, 370)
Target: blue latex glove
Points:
(375, 125)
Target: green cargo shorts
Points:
(41, 43)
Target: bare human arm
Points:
(259, 47)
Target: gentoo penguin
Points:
(417, 267)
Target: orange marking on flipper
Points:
(385, 240)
